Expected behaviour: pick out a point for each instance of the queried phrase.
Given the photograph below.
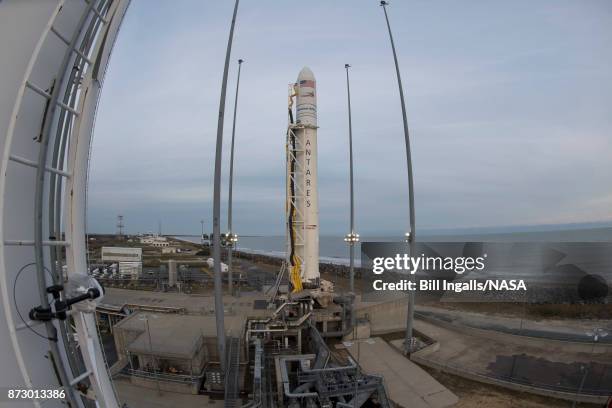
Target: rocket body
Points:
(306, 110)
(303, 192)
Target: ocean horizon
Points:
(333, 249)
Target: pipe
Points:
(281, 307)
(352, 366)
(346, 303)
(285, 376)
(301, 390)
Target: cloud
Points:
(509, 110)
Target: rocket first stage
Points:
(302, 196)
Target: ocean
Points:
(333, 249)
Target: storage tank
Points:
(171, 272)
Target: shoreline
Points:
(324, 266)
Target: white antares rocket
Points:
(302, 197)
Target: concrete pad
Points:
(408, 384)
(195, 304)
(360, 331)
(138, 397)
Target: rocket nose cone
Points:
(306, 74)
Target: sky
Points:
(509, 108)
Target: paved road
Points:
(532, 361)
(565, 330)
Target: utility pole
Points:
(120, 226)
(145, 318)
(231, 237)
(410, 236)
(219, 314)
(351, 238)
(202, 236)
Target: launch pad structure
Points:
(50, 90)
(293, 336)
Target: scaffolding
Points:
(295, 199)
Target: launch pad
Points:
(289, 343)
(290, 326)
(292, 352)
(294, 367)
(278, 350)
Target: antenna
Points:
(120, 225)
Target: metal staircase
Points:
(274, 288)
(232, 376)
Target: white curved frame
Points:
(15, 209)
(6, 304)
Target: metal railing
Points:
(488, 377)
(163, 376)
(232, 377)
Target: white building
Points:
(131, 270)
(129, 260)
(155, 241)
(121, 254)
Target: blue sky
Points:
(509, 107)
